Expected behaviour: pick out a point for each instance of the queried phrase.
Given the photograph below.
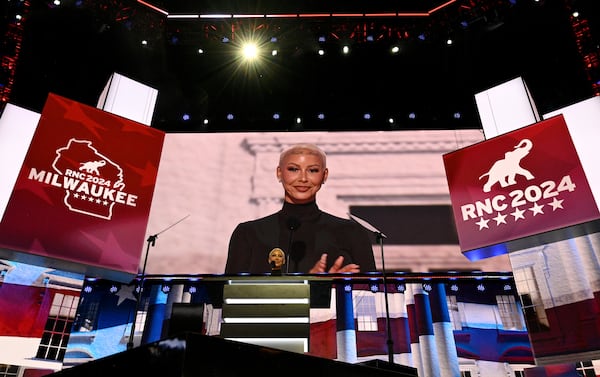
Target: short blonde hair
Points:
(302, 148)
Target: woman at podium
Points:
(313, 241)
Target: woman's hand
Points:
(337, 267)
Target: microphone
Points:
(292, 223)
(274, 269)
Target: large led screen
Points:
(394, 180)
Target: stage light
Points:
(297, 126)
(321, 39)
(456, 115)
(225, 40)
(366, 116)
(249, 51)
(321, 116)
(200, 51)
(346, 50)
(321, 52)
(412, 115)
(395, 49)
(230, 116)
(205, 121)
(185, 117)
(276, 116)
(274, 53)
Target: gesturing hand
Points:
(337, 266)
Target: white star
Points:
(556, 204)
(500, 219)
(482, 223)
(518, 214)
(536, 209)
(125, 293)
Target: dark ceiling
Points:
(72, 49)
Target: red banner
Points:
(519, 184)
(84, 191)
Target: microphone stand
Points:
(292, 224)
(390, 343)
(151, 241)
(379, 237)
(289, 252)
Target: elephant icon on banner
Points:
(504, 171)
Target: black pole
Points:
(390, 342)
(150, 242)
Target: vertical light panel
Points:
(505, 108)
(128, 98)
(17, 126)
(583, 122)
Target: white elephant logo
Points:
(505, 170)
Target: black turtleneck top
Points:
(303, 232)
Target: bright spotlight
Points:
(249, 51)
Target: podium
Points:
(273, 312)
